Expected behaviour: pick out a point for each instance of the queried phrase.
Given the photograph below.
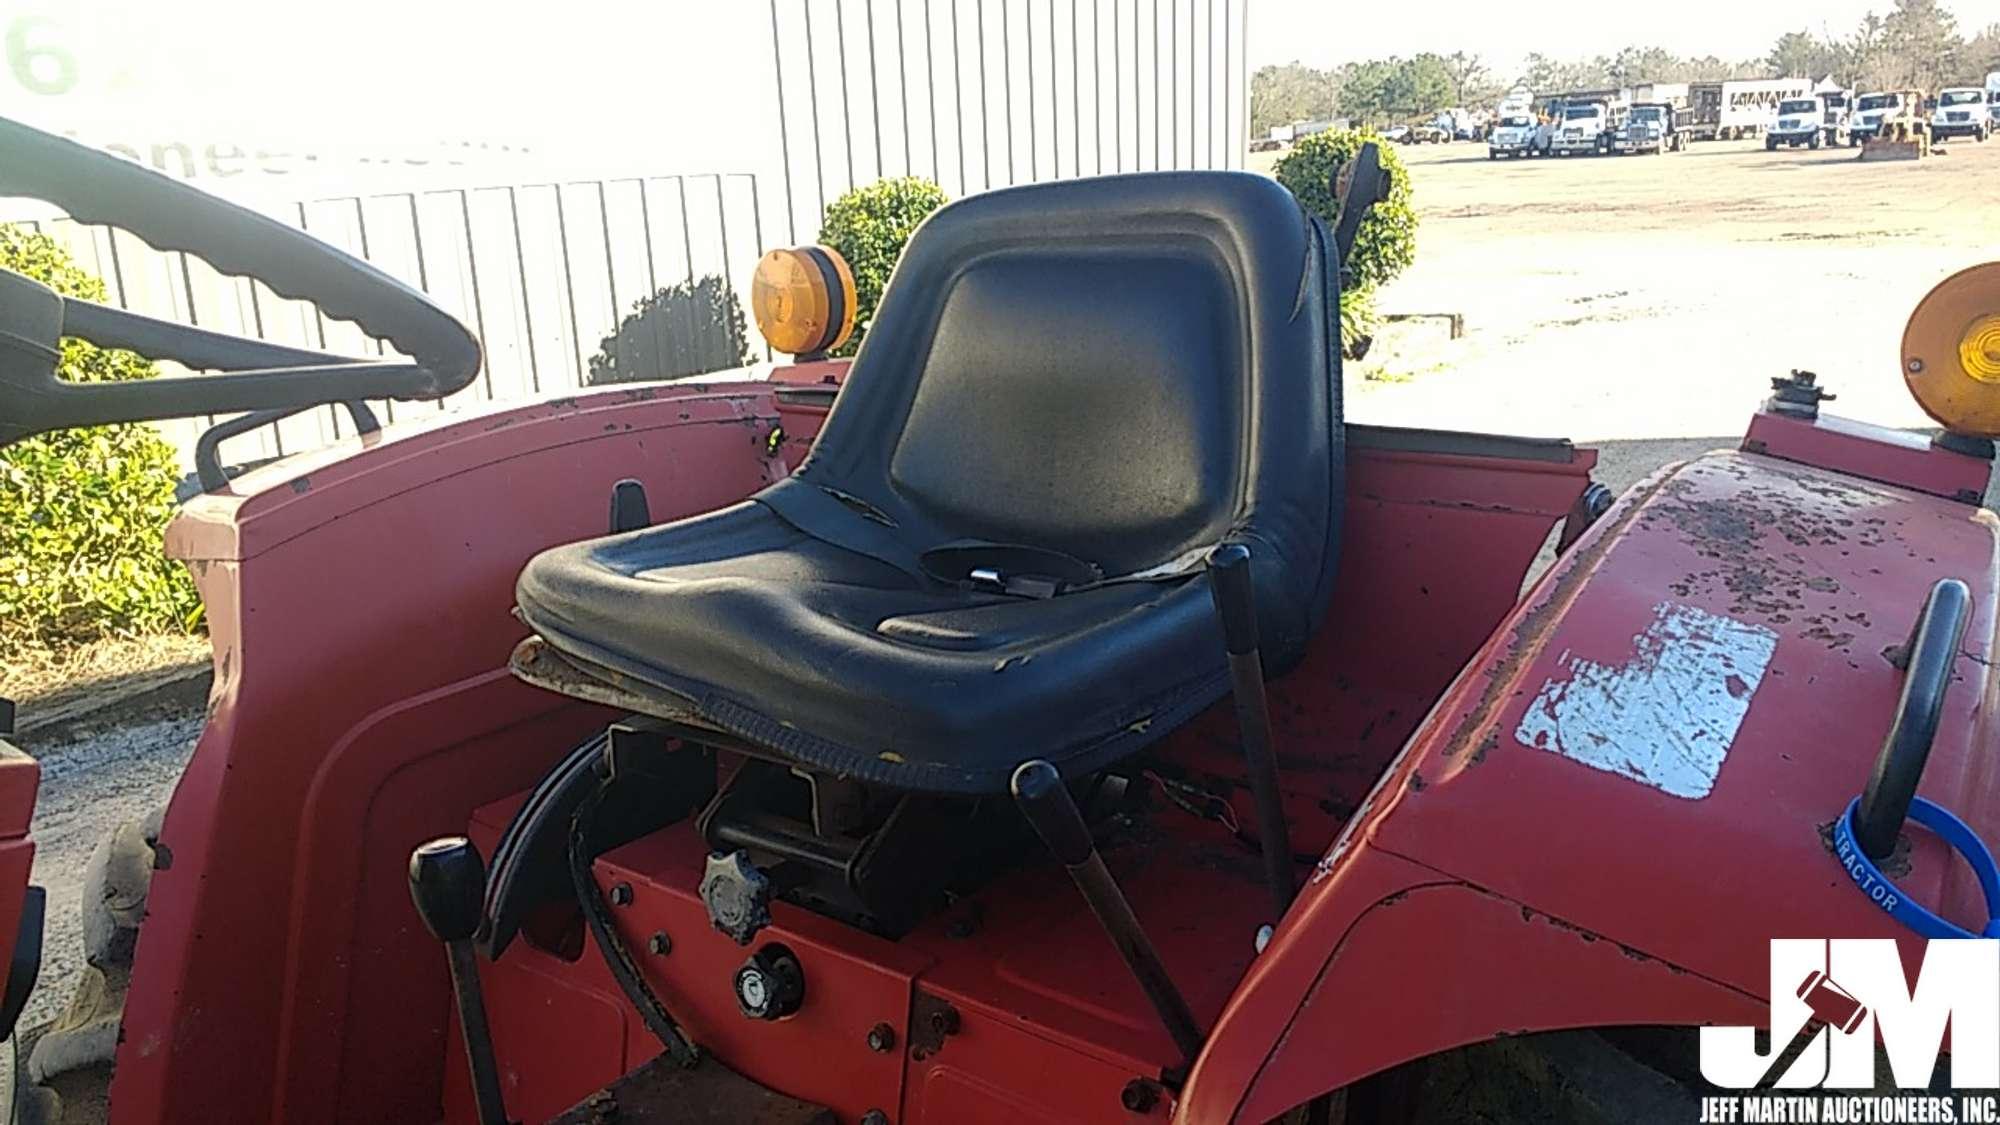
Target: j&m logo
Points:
(1832, 1002)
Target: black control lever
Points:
(447, 882)
(1928, 657)
(1235, 594)
(1045, 801)
(1358, 185)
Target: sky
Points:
(610, 87)
(1326, 34)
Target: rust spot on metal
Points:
(1896, 865)
(1811, 513)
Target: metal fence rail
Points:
(973, 94)
(979, 94)
(542, 272)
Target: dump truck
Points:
(1584, 128)
(1656, 127)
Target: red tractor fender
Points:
(1538, 858)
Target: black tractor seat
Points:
(1070, 393)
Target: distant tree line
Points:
(1917, 44)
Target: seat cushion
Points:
(854, 666)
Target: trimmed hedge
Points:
(83, 512)
(869, 226)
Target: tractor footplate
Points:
(663, 1092)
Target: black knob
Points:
(448, 882)
(1229, 584)
(771, 985)
(1039, 791)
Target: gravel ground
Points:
(89, 786)
(1654, 297)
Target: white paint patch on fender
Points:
(1664, 718)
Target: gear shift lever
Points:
(447, 882)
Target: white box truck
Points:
(1961, 112)
(1750, 107)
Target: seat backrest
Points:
(1127, 370)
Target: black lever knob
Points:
(1039, 791)
(448, 882)
(1230, 587)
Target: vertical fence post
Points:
(812, 87)
(846, 106)
(903, 89)
(930, 89)
(874, 89)
(527, 295)
(784, 134)
(478, 305)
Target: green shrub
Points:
(83, 512)
(1387, 241)
(868, 226)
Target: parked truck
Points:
(1586, 127)
(1750, 107)
(1657, 127)
(1872, 110)
(1961, 112)
(1801, 121)
(1518, 134)
(1836, 110)
(1704, 102)
(1993, 98)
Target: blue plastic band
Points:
(1884, 893)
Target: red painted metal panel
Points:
(996, 1072)
(364, 636)
(20, 775)
(853, 981)
(1832, 571)
(361, 626)
(1446, 964)
(1874, 453)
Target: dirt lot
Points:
(1654, 296)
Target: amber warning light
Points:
(1951, 352)
(803, 299)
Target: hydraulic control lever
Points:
(1045, 801)
(447, 882)
(1358, 185)
(1235, 595)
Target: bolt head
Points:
(659, 945)
(1139, 1096)
(1916, 366)
(944, 1021)
(621, 894)
(882, 1038)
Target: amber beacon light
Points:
(1951, 352)
(803, 299)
